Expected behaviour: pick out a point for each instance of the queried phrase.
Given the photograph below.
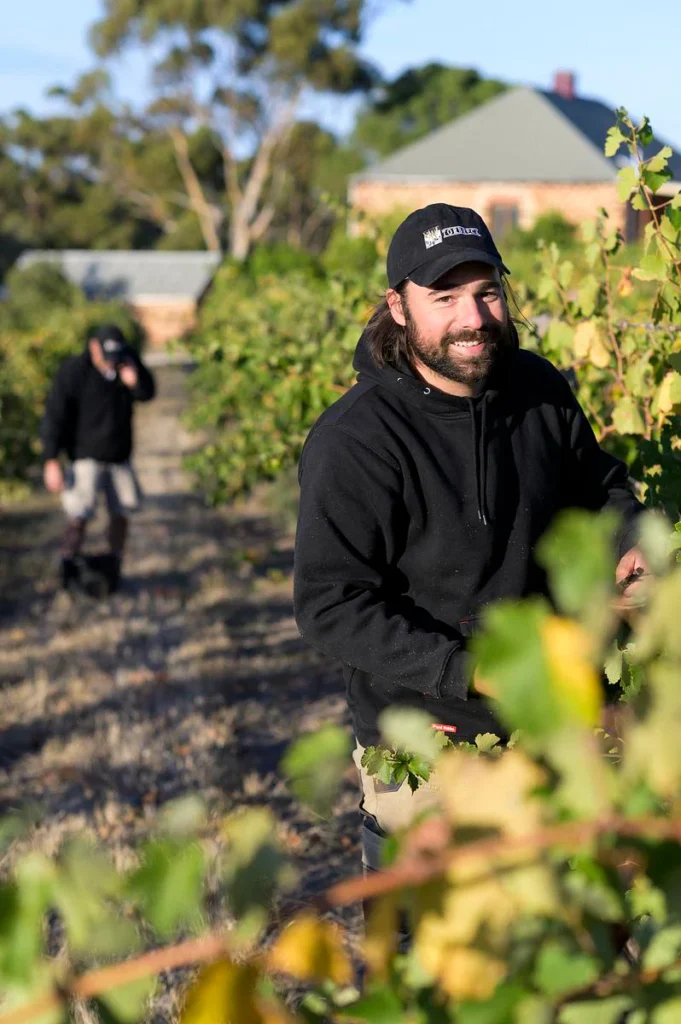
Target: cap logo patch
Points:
(458, 230)
(433, 236)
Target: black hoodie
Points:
(90, 417)
(418, 508)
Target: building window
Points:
(503, 217)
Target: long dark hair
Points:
(389, 343)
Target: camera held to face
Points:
(116, 354)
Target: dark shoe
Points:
(70, 573)
(102, 575)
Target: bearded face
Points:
(466, 356)
(459, 327)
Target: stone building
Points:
(521, 154)
(162, 289)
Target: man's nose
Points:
(472, 313)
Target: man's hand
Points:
(633, 564)
(128, 375)
(53, 476)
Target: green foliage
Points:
(348, 256)
(271, 355)
(523, 883)
(35, 291)
(547, 228)
(417, 102)
(278, 259)
(315, 765)
(272, 358)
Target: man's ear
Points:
(396, 306)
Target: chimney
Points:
(564, 84)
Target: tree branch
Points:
(244, 214)
(204, 210)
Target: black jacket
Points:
(417, 509)
(88, 416)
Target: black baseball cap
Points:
(433, 240)
(112, 340)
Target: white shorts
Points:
(85, 478)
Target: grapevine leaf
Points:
(379, 1007)
(255, 866)
(651, 268)
(125, 1004)
(223, 992)
(486, 741)
(312, 950)
(669, 392)
(577, 555)
(587, 295)
(654, 180)
(660, 160)
(663, 950)
(627, 181)
(613, 664)
(386, 770)
(614, 140)
(597, 1011)
(169, 884)
(559, 970)
(411, 729)
(626, 417)
(315, 764)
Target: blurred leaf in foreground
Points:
(315, 765)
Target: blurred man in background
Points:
(88, 417)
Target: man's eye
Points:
(491, 294)
(442, 299)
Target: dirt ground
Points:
(192, 679)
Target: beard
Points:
(442, 359)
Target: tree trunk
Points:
(204, 210)
(239, 237)
(246, 221)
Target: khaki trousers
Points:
(393, 807)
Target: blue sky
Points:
(616, 56)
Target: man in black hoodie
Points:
(88, 415)
(426, 487)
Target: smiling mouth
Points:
(473, 347)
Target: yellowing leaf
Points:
(589, 343)
(669, 395)
(223, 994)
(659, 161)
(574, 681)
(583, 338)
(501, 790)
(625, 287)
(471, 974)
(311, 949)
(600, 356)
(380, 940)
(626, 417)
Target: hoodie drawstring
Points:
(480, 459)
(483, 463)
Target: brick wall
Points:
(164, 320)
(576, 201)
